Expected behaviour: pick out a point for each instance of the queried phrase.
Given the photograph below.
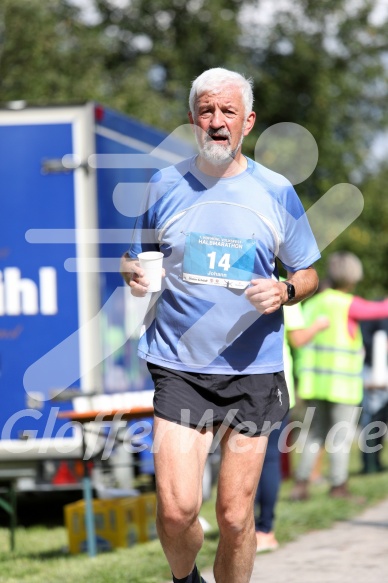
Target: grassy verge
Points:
(41, 555)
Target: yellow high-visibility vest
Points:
(331, 365)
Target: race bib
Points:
(215, 260)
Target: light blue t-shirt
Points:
(217, 235)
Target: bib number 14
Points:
(224, 262)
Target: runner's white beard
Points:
(219, 155)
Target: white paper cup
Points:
(152, 262)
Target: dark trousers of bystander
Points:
(270, 480)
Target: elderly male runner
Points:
(214, 344)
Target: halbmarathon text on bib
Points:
(216, 260)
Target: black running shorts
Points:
(250, 404)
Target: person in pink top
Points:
(361, 309)
(331, 372)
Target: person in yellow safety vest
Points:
(330, 373)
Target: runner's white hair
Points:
(214, 80)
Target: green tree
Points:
(158, 48)
(322, 65)
(368, 236)
(47, 55)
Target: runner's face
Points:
(222, 116)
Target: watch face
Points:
(291, 291)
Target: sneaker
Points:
(266, 541)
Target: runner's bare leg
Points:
(180, 455)
(241, 463)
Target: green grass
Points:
(41, 555)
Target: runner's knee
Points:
(233, 520)
(175, 517)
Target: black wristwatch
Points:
(290, 291)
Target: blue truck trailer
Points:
(72, 182)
